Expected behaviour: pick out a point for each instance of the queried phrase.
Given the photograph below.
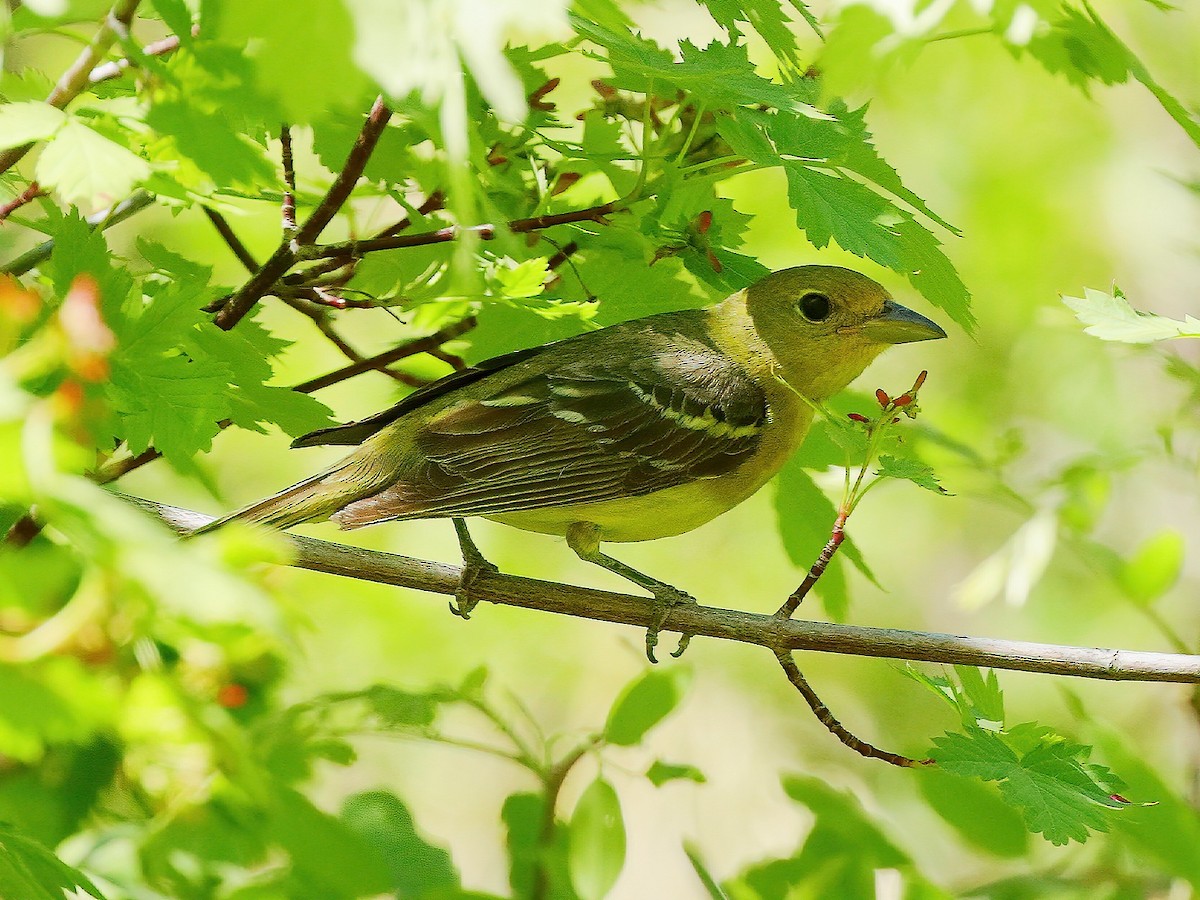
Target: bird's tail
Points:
(310, 500)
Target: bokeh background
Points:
(1054, 190)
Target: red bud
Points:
(564, 181)
(882, 397)
(903, 400)
(920, 381)
(233, 695)
(895, 420)
(858, 417)
(604, 90)
(704, 221)
(714, 262)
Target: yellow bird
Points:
(641, 430)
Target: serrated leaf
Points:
(524, 279)
(912, 470)
(596, 843)
(1154, 568)
(209, 141)
(1110, 317)
(88, 169)
(30, 871)
(1058, 794)
(644, 703)
(28, 121)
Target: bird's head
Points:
(824, 324)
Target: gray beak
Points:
(898, 324)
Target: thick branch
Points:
(75, 79)
(752, 628)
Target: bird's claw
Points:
(666, 598)
(475, 564)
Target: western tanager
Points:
(641, 430)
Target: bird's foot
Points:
(666, 598)
(475, 564)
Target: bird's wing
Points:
(581, 433)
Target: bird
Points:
(640, 430)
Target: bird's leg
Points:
(584, 539)
(474, 564)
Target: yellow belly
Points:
(686, 506)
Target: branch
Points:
(75, 79)
(778, 635)
(412, 348)
(135, 203)
(285, 254)
(31, 193)
(117, 67)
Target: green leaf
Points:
(976, 811)
(335, 859)
(31, 872)
(721, 74)
(977, 698)
(644, 703)
(805, 518)
(87, 169)
(529, 854)
(176, 15)
(28, 121)
(596, 845)
(1154, 568)
(1111, 318)
(1058, 794)
(417, 867)
(706, 878)
(206, 138)
(661, 772)
(401, 708)
(912, 470)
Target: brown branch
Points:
(778, 635)
(387, 357)
(591, 214)
(106, 218)
(289, 179)
(836, 536)
(232, 240)
(352, 249)
(435, 201)
(75, 79)
(31, 193)
(117, 67)
(826, 718)
(285, 255)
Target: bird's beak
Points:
(898, 324)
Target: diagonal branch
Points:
(285, 254)
(75, 79)
(776, 634)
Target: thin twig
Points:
(117, 67)
(411, 348)
(135, 203)
(31, 193)
(395, 242)
(435, 201)
(727, 624)
(836, 536)
(285, 255)
(75, 79)
(826, 718)
(232, 240)
(289, 180)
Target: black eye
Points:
(815, 307)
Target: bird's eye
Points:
(815, 307)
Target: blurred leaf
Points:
(31, 872)
(706, 879)
(417, 867)
(31, 120)
(805, 517)
(644, 703)
(596, 841)
(913, 470)
(1015, 569)
(1154, 568)
(88, 169)
(1111, 318)
(333, 858)
(532, 853)
(661, 772)
(1167, 831)
(976, 811)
